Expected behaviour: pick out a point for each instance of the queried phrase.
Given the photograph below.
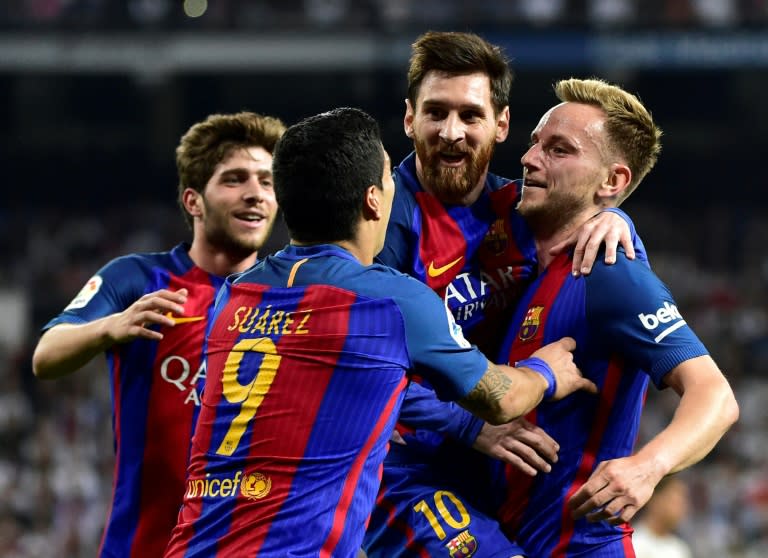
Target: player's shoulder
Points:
(622, 284)
(387, 280)
(621, 269)
(175, 259)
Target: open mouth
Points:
(528, 183)
(250, 218)
(452, 157)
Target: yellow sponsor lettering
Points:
(216, 488)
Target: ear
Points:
(192, 201)
(408, 119)
(618, 180)
(502, 125)
(372, 203)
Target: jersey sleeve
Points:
(422, 409)
(436, 344)
(633, 313)
(112, 289)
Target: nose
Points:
(452, 129)
(529, 158)
(253, 193)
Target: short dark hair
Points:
(208, 143)
(322, 167)
(458, 54)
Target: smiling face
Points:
(454, 130)
(237, 209)
(565, 167)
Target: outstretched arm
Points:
(505, 393)
(620, 487)
(521, 444)
(67, 347)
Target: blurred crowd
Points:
(247, 14)
(56, 451)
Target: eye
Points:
(434, 113)
(471, 116)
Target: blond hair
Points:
(629, 126)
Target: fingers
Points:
(568, 343)
(537, 438)
(587, 385)
(584, 501)
(563, 245)
(520, 464)
(626, 243)
(605, 228)
(161, 302)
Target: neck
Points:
(548, 234)
(220, 262)
(363, 254)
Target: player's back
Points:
(293, 431)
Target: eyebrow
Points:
(243, 170)
(463, 106)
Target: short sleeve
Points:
(436, 344)
(632, 312)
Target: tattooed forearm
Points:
(485, 399)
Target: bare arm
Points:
(707, 409)
(67, 347)
(505, 393)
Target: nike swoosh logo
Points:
(433, 271)
(182, 320)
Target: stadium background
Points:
(94, 95)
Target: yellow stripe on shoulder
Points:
(294, 269)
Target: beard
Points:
(219, 233)
(553, 213)
(452, 185)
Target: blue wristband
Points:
(539, 365)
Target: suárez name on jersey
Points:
(250, 319)
(667, 314)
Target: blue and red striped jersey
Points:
(478, 258)
(307, 359)
(155, 394)
(627, 329)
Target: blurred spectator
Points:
(656, 533)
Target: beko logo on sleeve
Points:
(667, 314)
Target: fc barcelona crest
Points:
(531, 323)
(496, 238)
(462, 545)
